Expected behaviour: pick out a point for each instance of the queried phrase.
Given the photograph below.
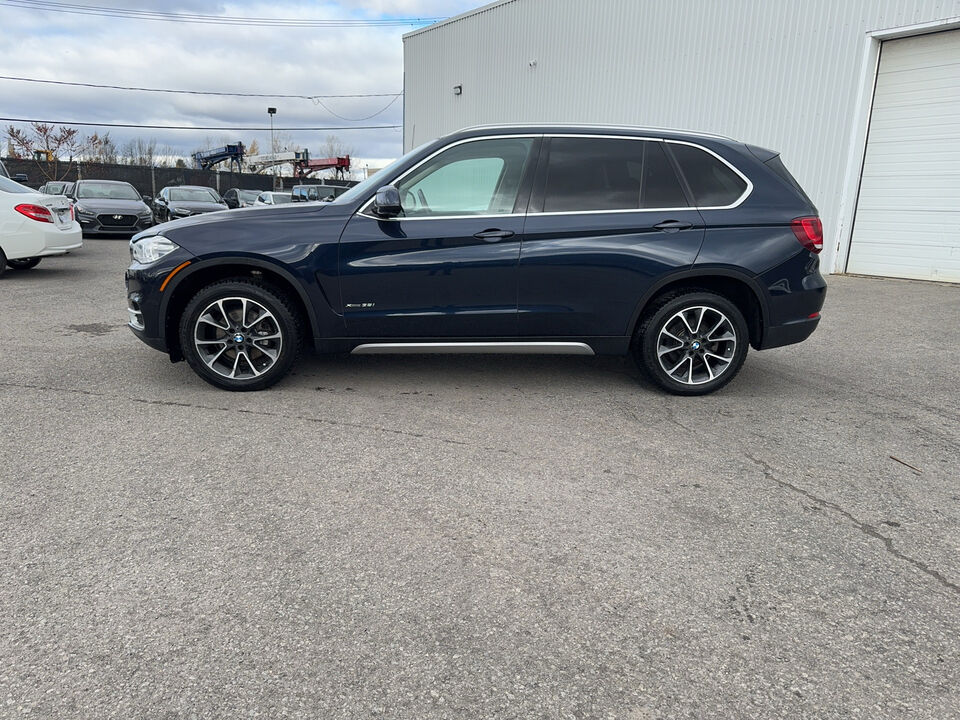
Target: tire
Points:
(224, 311)
(3, 261)
(711, 338)
(24, 263)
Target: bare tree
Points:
(139, 152)
(46, 144)
(101, 149)
(333, 147)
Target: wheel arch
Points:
(738, 287)
(188, 282)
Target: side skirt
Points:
(474, 348)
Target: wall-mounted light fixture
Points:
(458, 89)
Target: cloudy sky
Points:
(45, 44)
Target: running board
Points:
(473, 348)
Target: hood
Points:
(269, 217)
(103, 206)
(196, 206)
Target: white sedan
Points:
(273, 198)
(34, 225)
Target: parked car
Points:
(318, 192)
(237, 198)
(273, 198)
(109, 207)
(679, 249)
(180, 201)
(33, 226)
(19, 177)
(55, 187)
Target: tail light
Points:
(809, 231)
(73, 215)
(35, 212)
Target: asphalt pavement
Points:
(477, 536)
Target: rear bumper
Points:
(42, 240)
(789, 333)
(796, 292)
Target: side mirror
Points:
(20, 178)
(387, 202)
(147, 199)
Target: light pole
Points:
(271, 111)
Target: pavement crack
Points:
(865, 528)
(266, 413)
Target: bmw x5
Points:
(682, 250)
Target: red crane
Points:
(308, 167)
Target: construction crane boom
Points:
(340, 164)
(206, 159)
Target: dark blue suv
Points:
(679, 248)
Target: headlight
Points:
(150, 249)
(81, 210)
(179, 211)
(146, 213)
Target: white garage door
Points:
(908, 212)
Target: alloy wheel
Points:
(696, 345)
(238, 338)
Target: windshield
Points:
(110, 191)
(193, 195)
(55, 188)
(249, 195)
(375, 181)
(280, 198)
(8, 185)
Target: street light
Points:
(271, 111)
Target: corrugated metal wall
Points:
(784, 74)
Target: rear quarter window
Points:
(713, 182)
(776, 164)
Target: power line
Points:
(195, 127)
(382, 110)
(195, 92)
(133, 14)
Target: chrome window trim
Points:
(737, 203)
(747, 191)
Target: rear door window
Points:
(598, 174)
(713, 182)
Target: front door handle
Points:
(493, 235)
(672, 226)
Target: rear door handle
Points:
(673, 226)
(493, 235)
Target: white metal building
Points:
(861, 97)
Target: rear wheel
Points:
(24, 263)
(240, 335)
(692, 342)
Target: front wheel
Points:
(24, 263)
(240, 335)
(692, 343)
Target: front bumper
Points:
(94, 226)
(145, 306)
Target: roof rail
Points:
(589, 126)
